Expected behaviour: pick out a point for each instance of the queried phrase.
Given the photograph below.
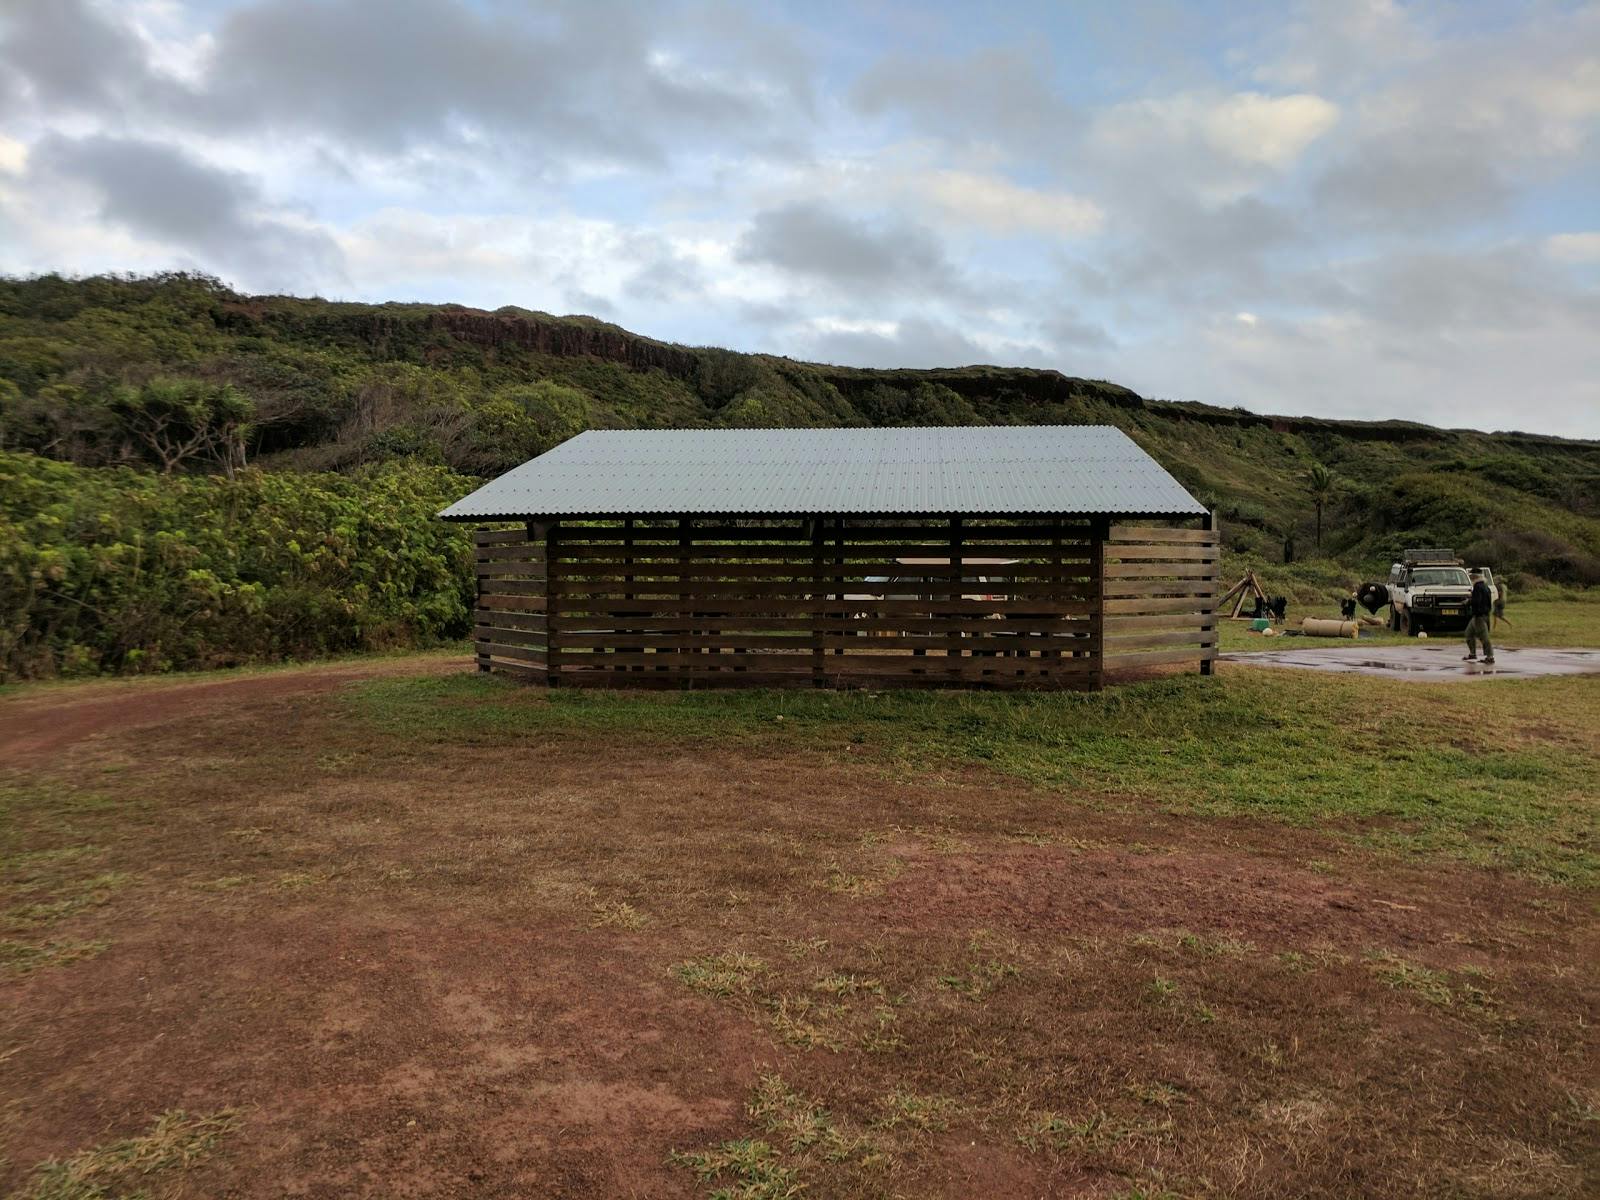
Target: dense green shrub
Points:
(120, 570)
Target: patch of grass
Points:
(925, 1113)
(223, 883)
(1443, 989)
(619, 914)
(1097, 1130)
(804, 1137)
(1162, 988)
(746, 1169)
(977, 980)
(807, 1025)
(800, 947)
(21, 958)
(841, 984)
(804, 1125)
(294, 881)
(176, 1141)
(66, 900)
(721, 975)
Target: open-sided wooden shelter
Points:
(995, 556)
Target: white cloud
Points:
(1573, 247)
(1250, 128)
(13, 155)
(996, 204)
(1272, 131)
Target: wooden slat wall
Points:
(1160, 596)
(509, 623)
(711, 602)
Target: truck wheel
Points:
(1405, 625)
(1394, 620)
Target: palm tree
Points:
(1320, 482)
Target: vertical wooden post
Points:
(838, 582)
(1099, 533)
(819, 597)
(685, 600)
(1210, 525)
(552, 601)
(627, 584)
(956, 570)
(1059, 587)
(477, 606)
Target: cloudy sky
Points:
(1347, 208)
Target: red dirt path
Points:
(38, 722)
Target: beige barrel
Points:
(1324, 627)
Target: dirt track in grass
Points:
(541, 969)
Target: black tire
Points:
(1394, 619)
(1407, 629)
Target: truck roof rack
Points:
(1436, 556)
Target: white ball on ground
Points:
(1423, 634)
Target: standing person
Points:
(1482, 605)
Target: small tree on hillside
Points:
(1320, 482)
(179, 420)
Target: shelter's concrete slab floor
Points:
(1432, 664)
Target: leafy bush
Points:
(119, 570)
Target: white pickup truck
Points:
(1430, 591)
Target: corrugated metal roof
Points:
(993, 469)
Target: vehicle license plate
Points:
(1450, 612)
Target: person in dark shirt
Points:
(1482, 606)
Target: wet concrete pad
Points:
(1431, 664)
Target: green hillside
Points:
(201, 395)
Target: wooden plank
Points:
(965, 644)
(1176, 604)
(1143, 658)
(512, 587)
(1161, 533)
(1122, 644)
(1184, 618)
(521, 671)
(522, 653)
(1163, 553)
(512, 570)
(798, 553)
(685, 660)
(1201, 588)
(1133, 570)
(842, 667)
(504, 619)
(509, 637)
(517, 603)
(608, 624)
(497, 537)
(799, 570)
(844, 610)
(514, 550)
(575, 596)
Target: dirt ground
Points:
(603, 968)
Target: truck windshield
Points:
(1440, 577)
